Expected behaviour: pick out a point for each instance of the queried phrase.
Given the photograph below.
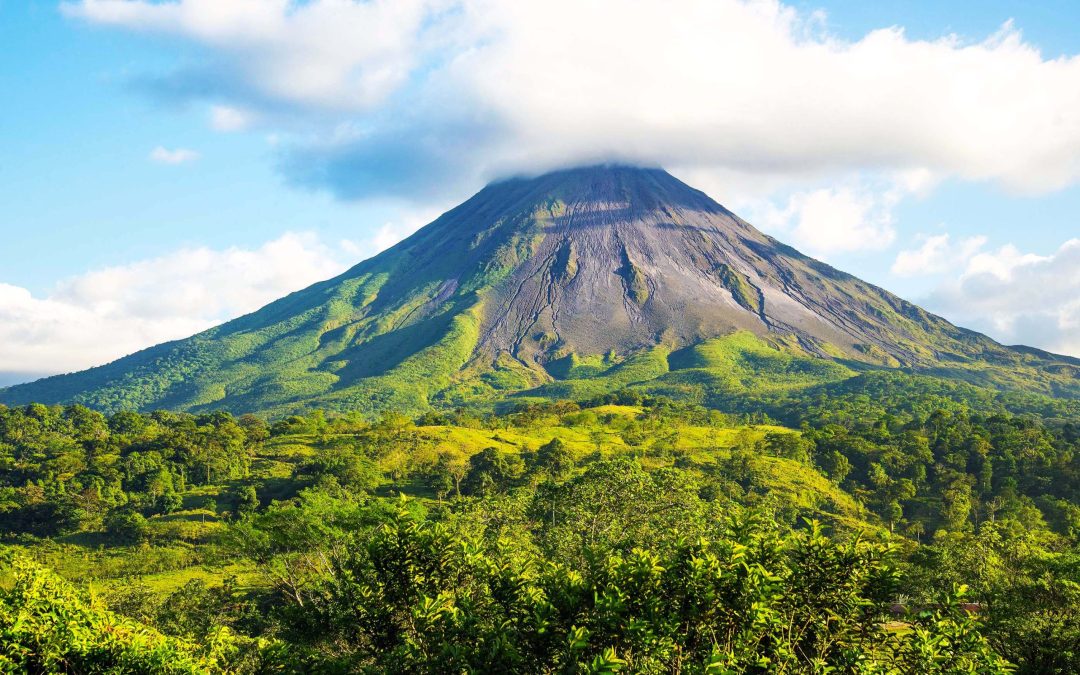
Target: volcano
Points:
(557, 285)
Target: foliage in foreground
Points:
(421, 595)
(418, 596)
(46, 627)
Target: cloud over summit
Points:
(471, 89)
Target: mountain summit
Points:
(564, 277)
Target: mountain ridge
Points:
(599, 264)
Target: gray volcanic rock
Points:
(628, 258)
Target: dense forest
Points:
(891, 523)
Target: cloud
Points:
(409, 162)
(392, 232)
(855, 215)
(938, 254)
(325, 53)
(104, 314)
(827, 221)
(1017, 297)
(446, 92)
(226, 118)
(163, 155)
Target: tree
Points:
(835, 465)
(209, 504)
(126, 526)
(256, 430)
(597, 437)
(1033, 611)
(956, 505)
(218, 447)
(170, 502)
(614, 505)
(292, 541)
(787, 445)
(352, 469)
(490, 471)
(553, 460)
(424, 596)
(451, 467)
(245, 501)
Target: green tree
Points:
(553, 460)
(490, 471)
(245, 501)
(126, 526)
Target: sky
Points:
(168, 165)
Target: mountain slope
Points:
(610, 275)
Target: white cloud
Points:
(326, 53)
(938, 254)
(1003, 264)
(101, 315)
(1018, 297)
(163, 155)
(828, 221)
(752, 86)
(227, 118)
(855, 215)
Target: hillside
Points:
(568, 284)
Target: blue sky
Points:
(78, 188)
(146, 147)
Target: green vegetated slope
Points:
(571, 284)
(740, 362)
(336, 344)
(744, 372)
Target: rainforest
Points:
(902, 532)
